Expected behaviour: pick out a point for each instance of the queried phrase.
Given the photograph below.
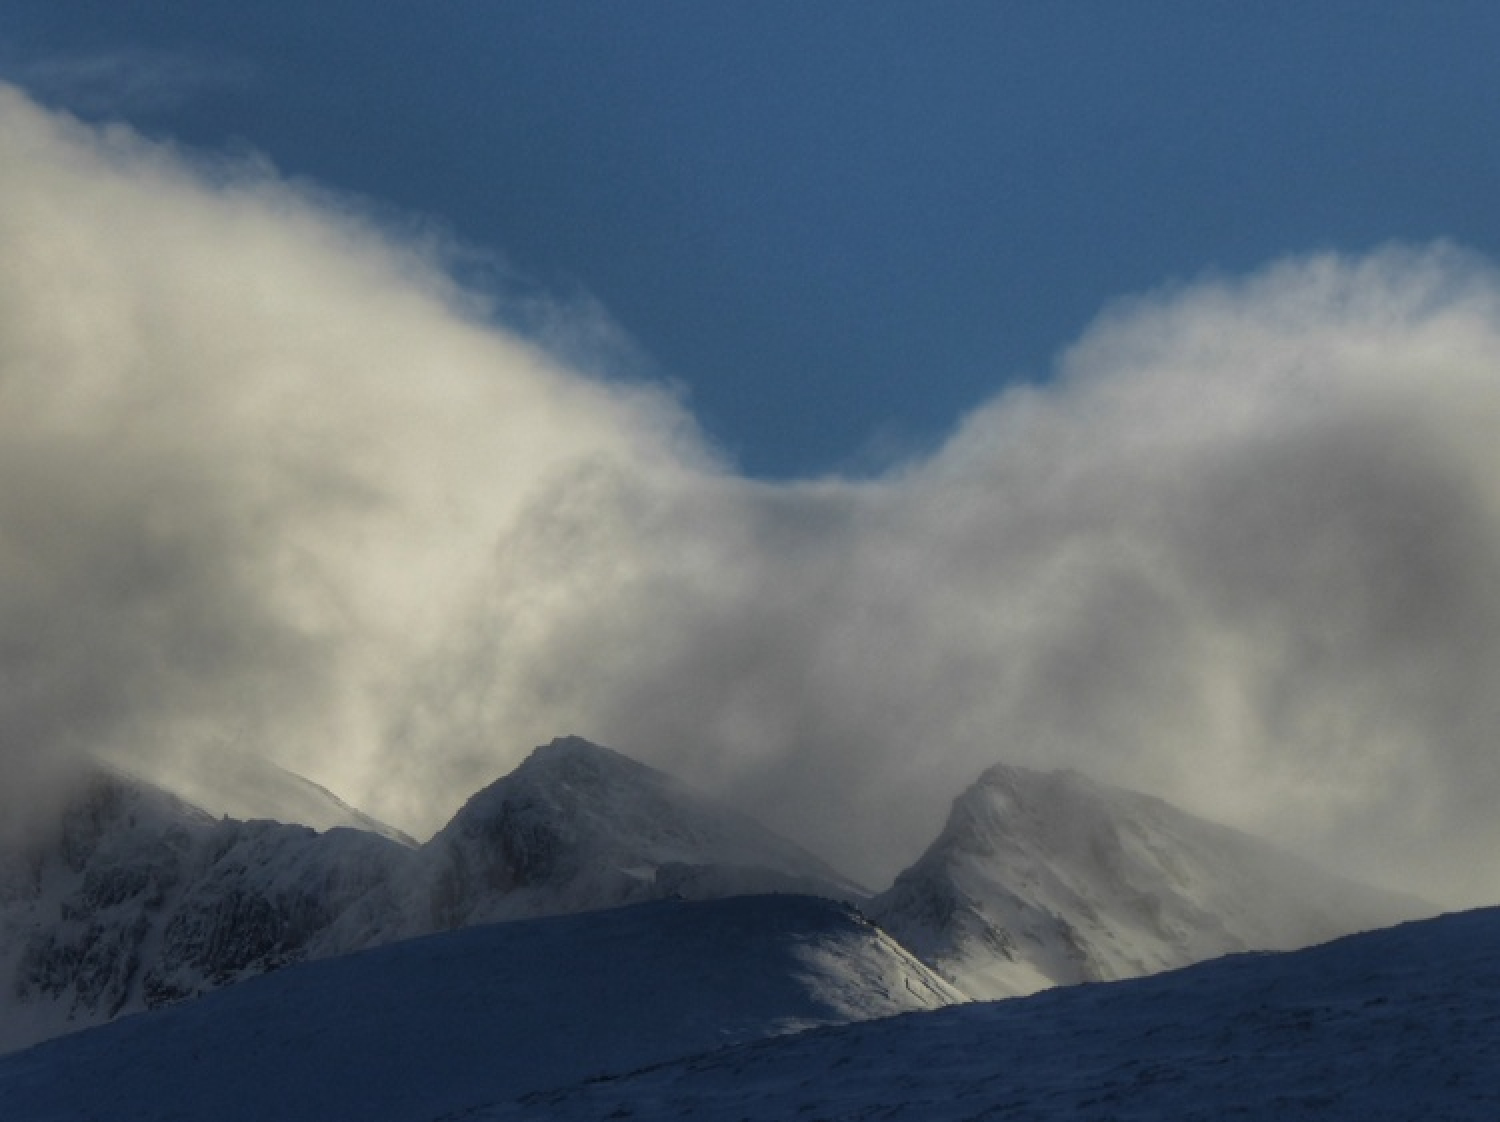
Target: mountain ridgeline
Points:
(138, 899)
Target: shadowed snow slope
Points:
(1049, 878)
(1384, 1027)
(437, 1025)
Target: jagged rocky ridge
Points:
(1050, 878)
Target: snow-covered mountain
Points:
(138, 899)
(1389, 1026)
(436, 1026)
(578, 826)
(1050, 878)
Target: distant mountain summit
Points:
(1050, 878)
(578, 826)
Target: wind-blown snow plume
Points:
(267, 477)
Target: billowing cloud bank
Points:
(255, 459)
(270, 481)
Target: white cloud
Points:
(1241, 553)
(266, 477)
(255, 454)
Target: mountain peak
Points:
(574, 779)
(1047, 878)
(572, 759)
(1032, 787)
(579, 825)
(578, 748)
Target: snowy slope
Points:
(578, 826)
(1047, 878)
(431, 1027)
(1391, 1026)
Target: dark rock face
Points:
(515, 845)
(138, 899)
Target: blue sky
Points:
(839, 226)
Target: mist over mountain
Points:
(274, 480)
(1194, 605)
(247, 787)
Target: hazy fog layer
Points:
(270, 480)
